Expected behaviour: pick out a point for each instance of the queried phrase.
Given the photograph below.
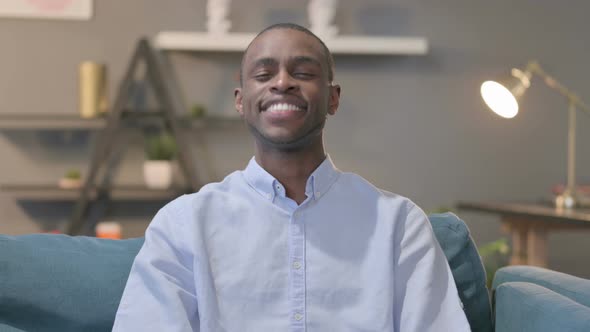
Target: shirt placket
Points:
(297, 271)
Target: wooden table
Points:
(529, 226)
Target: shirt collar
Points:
(265, 184)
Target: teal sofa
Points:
(63, 283)
(534, 299)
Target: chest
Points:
(317, 264)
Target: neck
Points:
(291, 168)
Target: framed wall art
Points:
(47, 9)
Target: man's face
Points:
(286, 95)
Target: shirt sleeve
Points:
(426, 298)
(160, 292)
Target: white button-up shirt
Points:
(240, 256)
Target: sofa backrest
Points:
(64, 283)
(467, 268)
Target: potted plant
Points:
(72, 179)
(494, 255)
(157, 169)
(198, 111)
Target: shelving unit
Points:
(237, 42)
(147, 68)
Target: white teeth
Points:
(283, 107)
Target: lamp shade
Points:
(502, 96)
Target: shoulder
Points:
(210, 196)
(395, 209)
(357, 185)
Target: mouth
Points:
(280, 111)
(282, 107)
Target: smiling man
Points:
(290, 243)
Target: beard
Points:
(293, 145)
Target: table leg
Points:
(518, 232)
(537, 246)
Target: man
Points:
(290, 243)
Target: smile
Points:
(283, 107)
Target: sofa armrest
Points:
(524, 307)
(576, 289)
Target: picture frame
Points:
(47, 9)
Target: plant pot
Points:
(157, 174)
(67, 183)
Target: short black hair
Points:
(328, 55)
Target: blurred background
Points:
(411, 124)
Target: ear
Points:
(334, 101)
(238, 101)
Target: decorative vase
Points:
(92, 89)
(157, 174)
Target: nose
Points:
(283, 82)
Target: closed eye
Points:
(303, 75)
(262, 77)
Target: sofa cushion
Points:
(62, 283)
(575, 288)
(527, 307)
(467, 268)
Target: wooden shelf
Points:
(49, 192)
(49, 122)
(237, 42)
(74, 122)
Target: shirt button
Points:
(297, 265)
(298, 316)
(317, 193)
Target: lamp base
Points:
(567, 200)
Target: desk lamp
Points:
(502, 98)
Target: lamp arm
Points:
(568, 198)
(535, 68)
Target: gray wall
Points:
(412, 125)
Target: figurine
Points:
(217, 12)
(321, 14)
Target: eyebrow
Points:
(306, 59)
(264, 62)
(300, 59)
